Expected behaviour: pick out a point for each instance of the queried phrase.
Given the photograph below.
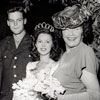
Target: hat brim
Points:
(72, 19)
(63, 23)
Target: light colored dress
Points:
(70, 70)
(43, 80)
(38, 81)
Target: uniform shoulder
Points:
(28, 35)
(5, 40)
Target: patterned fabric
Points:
(70, 17)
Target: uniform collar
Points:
(25, 43)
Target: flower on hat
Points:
(70, 17)
(74, 16)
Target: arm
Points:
(92, 85)
(90, 81)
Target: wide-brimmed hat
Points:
(70, 17)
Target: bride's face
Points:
(44, 44)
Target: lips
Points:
(16, 28)
(43, 49)
(71, 38)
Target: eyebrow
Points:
(13, 19)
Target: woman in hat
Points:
(78, 67)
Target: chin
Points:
(72, 45)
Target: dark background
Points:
(42, 10)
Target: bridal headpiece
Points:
(44, 26)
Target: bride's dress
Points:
(37, 81)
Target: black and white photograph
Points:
(50, 50)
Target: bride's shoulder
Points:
(55, 63)
(32, 64)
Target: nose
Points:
(43, 44)
(15, 23)
(71, 32)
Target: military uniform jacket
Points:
(13, 63)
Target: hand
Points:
(46, 96)
(32, 93)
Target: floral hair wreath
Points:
(45, 26)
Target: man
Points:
(15, 52)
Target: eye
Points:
(48, 41)
(20, 20)
(11, 21)
(39, 41)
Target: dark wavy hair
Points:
(55, 52)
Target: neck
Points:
(19, 36)
(68, 49)
(45, 59)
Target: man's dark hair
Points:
(19, 9)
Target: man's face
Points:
(16, 22)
